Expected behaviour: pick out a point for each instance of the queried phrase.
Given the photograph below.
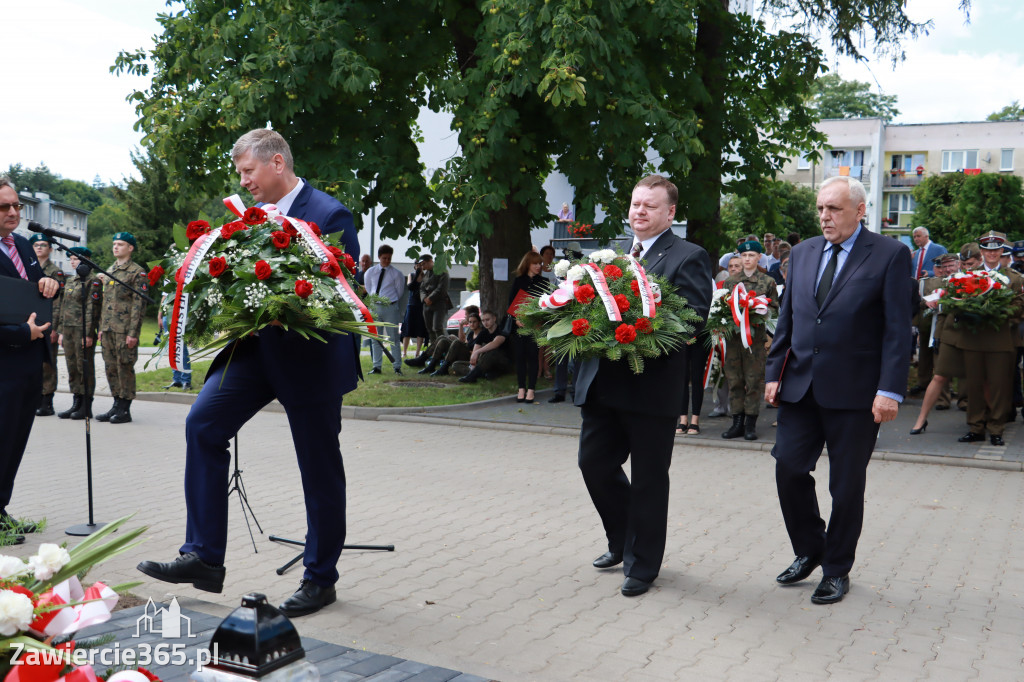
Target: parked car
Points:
(460, 314)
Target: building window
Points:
(803, 163)
(902, 202)
(954, 160)
(907, 162)
(29, 212)
(1006, 160)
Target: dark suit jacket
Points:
(859, 342)
(329, 214)
(18, 336)
(659, 389)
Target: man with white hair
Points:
(923, 259)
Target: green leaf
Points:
(560, 328)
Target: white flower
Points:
(575, 273)
(51, 558)
(11, 567)
(603, 256)
(719, 293)
(561, 268)
(15, 613)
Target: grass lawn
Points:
(378, 390)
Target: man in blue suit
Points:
(22, 354)
(837, 369)
(268, 365)
(923, 259)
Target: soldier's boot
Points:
(76, 404)
(472, 377)
(736, 430)
(441, 371)
(124, 415)
(429, 367)
(114, 409)
(45, 408)
(750, 427)
(84, 410)
(419, 360)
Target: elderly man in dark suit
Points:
(837, 369)
(22, 354)
(635, 415)
(273, 364)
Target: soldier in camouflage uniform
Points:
(743, 368)
(41, 245)
(120, 326)
(69, 326)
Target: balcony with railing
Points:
(859, 172)
(900, 179)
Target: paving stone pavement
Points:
(494, 535)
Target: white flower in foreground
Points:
(561, 268)
(11, 567)
(603, 256)
(719, 293)
(575, 273)
(51, 558)
(15, 613)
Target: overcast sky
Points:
(70, 111)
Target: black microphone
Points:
(52, 233)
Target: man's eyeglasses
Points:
(4, 208)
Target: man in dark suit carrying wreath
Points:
(634, 415)
(837, 368)
(280, 364)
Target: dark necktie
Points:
(638, 248)
(380, 280)
(825, 285)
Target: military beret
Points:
(80, 251)
(1018, 247)
(125, 237)
(944, 258)
(750, 245)
(992, 240)
(39, 238)
(970, 250)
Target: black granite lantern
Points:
(254, 640)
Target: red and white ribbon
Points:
(179, 312)
(718, 347)
(741, 302)
(559, 297)
(647, 299)
(603, 291)
(92, 606)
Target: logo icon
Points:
(165, 621)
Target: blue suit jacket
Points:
(329, 214)
(18, 335)
(933, 251)
(858, 343)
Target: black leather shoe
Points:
(398, 370)
(996, 440)
(971, 437)
(634, 587)
(187, 568)
(15, 539)
(173, 384)
(559, 398)
(309, 598)
(801, 567)
(11, 524)
(608, 559)
(831, 589)
(376, 370)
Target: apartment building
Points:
(40, 208)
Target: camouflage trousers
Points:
(73, 356)
(50, 371)
(744, 373)
(120, 362)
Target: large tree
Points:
(838, 98)
(782, 208)
(958, 208)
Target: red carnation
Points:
(155, 275)
(622, 302)
(280, 239)
(626, 333)
(254, 216)
(229, 229)
(331, 268)
(585, 293)
(315, 228)
(262, 269)
(196, 229)
(217, 266)
(303, 288)
(997, 285)
(350, 263)
(643, 325)
(635, 286)
(613, 272)
(580, 327)
(290, 229)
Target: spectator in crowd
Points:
(365, 261)
(387, 282)
(424, 359)
(733, 267)
(565, 214)
(434, 294)
(451, 349)
(78, 354)
(413, 326)
(42, 247)
(547, 254)
(529, 283)
(1018, 256)
(923, 258)
(490, 355)
(744, 368)
(769, 243)
(1007, 258)
(793, 238)
(782, 250)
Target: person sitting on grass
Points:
(424, 359)
(490, 356)
(450, 349)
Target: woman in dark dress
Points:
(413, 326)
(527, 356)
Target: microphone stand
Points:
(85, 266)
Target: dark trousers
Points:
(693, 379)
(527, 361)
(804, 427)
(21, 374)
(562, 375)
(231, 396)
(634, 512)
